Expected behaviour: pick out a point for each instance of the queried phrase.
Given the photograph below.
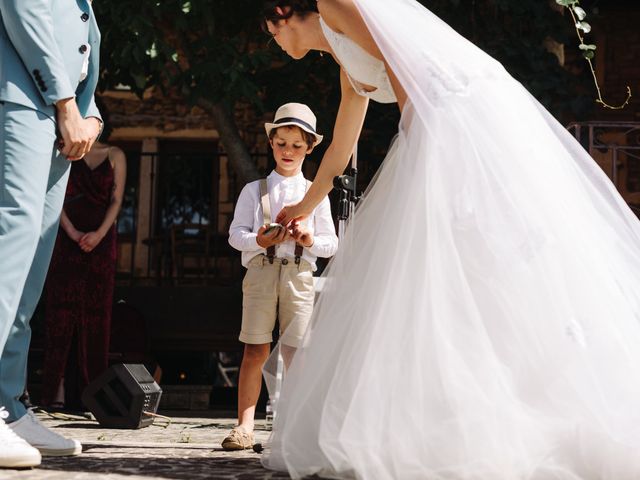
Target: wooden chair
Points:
(190, 252)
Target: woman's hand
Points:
(74, 234)
(89, 241)
(71, 231)
(274, 237)
(293, 213)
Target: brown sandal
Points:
(238, 439)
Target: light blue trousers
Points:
(33, 180)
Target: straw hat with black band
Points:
(297, 114)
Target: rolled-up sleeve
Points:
(325, 240)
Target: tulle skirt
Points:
(481, 320)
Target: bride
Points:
(481, 320)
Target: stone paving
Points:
(186, 448)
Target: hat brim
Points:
(270, 126)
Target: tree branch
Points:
(234, 146)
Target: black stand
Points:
(346, 185)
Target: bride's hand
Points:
(292, 213)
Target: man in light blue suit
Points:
(48, 73)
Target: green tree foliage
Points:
(212, 53)
(202, 52)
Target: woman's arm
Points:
(351, 113)
(325, 243)
(69, 228)
(91, 239)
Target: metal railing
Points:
(182, 188)
(616, 148)
(172, 200)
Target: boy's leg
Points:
(259, 304)
(250, 383)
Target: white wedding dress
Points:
(481, 320)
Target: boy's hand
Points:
(302, 235)
(274, 237)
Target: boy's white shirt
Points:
(248, 218)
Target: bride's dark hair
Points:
(276, 10)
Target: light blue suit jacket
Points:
(41, 53)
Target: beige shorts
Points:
(283, 290)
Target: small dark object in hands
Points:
(271, 227)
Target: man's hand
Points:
(274, 237)
(89, 241)
(302, 235)
(78, 134)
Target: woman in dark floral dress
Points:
(79, 291)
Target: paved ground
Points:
(188, 448)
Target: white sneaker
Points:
(49, 443)
(15, 452)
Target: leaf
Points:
(584, 26)
(587, 47)
(588, 54)
(579, 11)
(153, 51)
(566, 3)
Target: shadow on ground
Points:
(173, 467)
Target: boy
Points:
(279, 261)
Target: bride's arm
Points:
(351, 113)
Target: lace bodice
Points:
(361, 68)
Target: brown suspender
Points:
(266, 213)
(298, 253)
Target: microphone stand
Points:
(347, 186)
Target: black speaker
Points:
(122, 396)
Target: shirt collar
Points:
(277, 178)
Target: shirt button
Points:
(83, 48)
(84, 17)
